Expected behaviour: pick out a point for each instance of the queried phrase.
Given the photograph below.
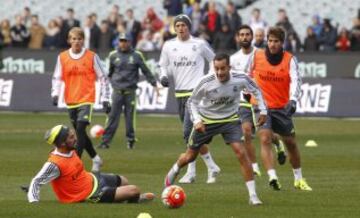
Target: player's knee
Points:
(265, 139)
(123, 180)
(240, 152)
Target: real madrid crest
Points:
(236, 89)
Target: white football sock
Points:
(191, 169)
(255, 167)
(251, 187)
(297, 174)
(272, 174)
(175, 168)
(97, 159)
(210, 163)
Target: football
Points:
(96, 131)
(173, 196)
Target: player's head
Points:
(182, 26)
(61, 136)
(245, 36)
(275, 39)
(124, 41)
(259, 35)
(76, 39)
(222, 67)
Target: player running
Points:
(183, 59)
(214, 110)
(79, 68)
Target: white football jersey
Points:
(184, 60)
(242, 63)
(219, 102)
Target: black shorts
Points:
(106, 188)
(80, 114)
(230, 131)
(279, 122)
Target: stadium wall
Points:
(330, 84)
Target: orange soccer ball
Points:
(173, 196)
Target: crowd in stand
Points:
(148, 34)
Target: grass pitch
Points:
(332, 169)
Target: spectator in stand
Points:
(37, 33)
(92, 34)
(283, 21)
(62, 40)
(70, 21)
(292, 43)
(146, 43)
(343, 40)
(256, 21)
(167, 35)
(52, 35)
(113, 17)
(152, 21)
(212, 21)
(311, 42)
(67, 24)
(203, 34)
(328, 37)
(133, 27)
(173, 8)
(232, 18)
(5, 31)
(119, 29)
(355, 35)
(316, 26)
(260, 41)
(19, 33)
(224, 40)
(105, 36)
(195, 14)
(26, 17)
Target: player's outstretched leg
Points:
(185, 158)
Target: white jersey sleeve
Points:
(194, 101)
(251, 87)
(56, 79)
(164, 61)
(48, 172)
(101, 77)
(295, 80)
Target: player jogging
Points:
(276, 73)
(241, 63)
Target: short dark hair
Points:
(222, 56)
(245, 27)
(278, 32)
(70, 10)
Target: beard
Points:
(245, 44)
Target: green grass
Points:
(332, 169)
